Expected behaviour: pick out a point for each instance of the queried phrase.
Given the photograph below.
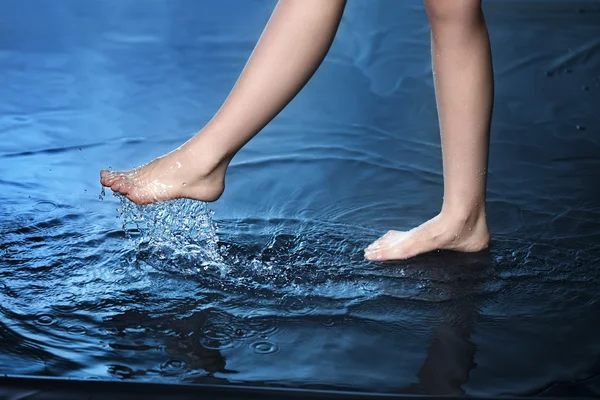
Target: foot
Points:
(444, 232)
(179, 174)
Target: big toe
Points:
(107, 178)
(389, 246)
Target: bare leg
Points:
(464, 91)
(293, 45)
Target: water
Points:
(272, 288)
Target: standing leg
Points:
(293, 45)
(463, 78)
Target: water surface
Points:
(272, 288)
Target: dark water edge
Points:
(281, 295)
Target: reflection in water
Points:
(451, 351)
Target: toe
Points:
(383, 241)
(109, 178)
(118, 184)
(381, 254)
(125, 187)
(105, 176)
(391, 246)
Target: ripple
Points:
(217, 344)
(216, 340)
(297, 306)
(264, 347)
(259, 325)
(45, 319)
(45, 206)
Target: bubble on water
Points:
(243, 333)
(45, 319)
(172, 365)
(77, 330)
(264, 347)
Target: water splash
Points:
(181, 231)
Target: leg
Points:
(463, 77)
(290, 50)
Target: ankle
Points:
(206, 161)
(465, 217)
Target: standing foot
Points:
(447, 231)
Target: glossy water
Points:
(279, 293)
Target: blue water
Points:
(268, 284)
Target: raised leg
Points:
(291, 48)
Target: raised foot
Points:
(440, 233)
(173, 176)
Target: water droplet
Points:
(102, 194)
(580, 127)
(264, 347)
(45, 206)
(45, 319)
(77, 330)
(241, 333)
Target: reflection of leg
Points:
(451, 353)
(293, 45)
(464, 91)
(448, 363)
